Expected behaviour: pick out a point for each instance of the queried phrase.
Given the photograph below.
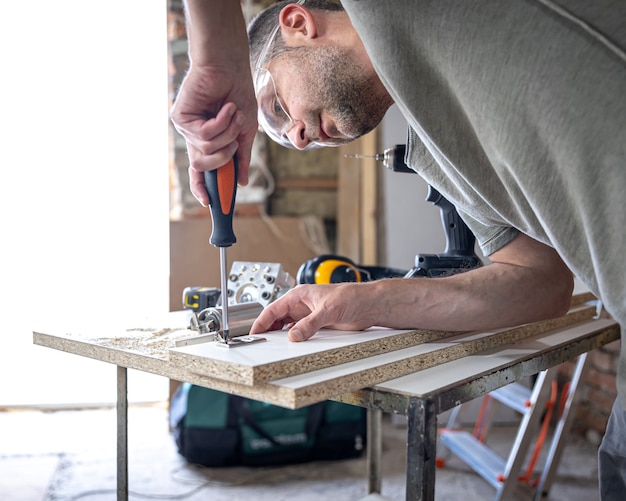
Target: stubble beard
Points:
(341, 88)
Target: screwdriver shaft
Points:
(223, 264)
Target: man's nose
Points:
(297, 135)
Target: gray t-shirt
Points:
(517, 114)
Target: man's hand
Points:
(308, 308)
(215, 111)
(526, 282)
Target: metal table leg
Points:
(122, 434)
(374, 450)
(421, 451)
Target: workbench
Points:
(418, 374)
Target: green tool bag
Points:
(215, 429)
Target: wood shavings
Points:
(149, 342)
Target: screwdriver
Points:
(392, 158)
(221, 186)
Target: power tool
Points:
(457, 257)
(459, 254)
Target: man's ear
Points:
(297, 23)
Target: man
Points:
(516, 113)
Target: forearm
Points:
(216, 32)
(494, 296)
(512, 291)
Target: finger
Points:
(246, 139)
(244, 156)
(267, 321)
(201, 162)
(208, 155)
(197, 184)
(281, 312)
(197, 125)
(197, 187)
(307, 327)
(244, 168)
(212, 137)
(243, 142)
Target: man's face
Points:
(329, 97)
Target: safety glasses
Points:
(272, 115)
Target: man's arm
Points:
(215, 109)
(526, 281)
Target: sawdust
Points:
(145, 341)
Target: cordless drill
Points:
(459, 253)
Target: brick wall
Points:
(598, 392)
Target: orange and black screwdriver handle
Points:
(221, 186)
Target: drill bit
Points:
(379, 157)
(392, 158)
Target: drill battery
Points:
(200, 298)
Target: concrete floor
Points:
(70, 455)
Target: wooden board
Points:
(430, 380)
(278, 358)
(327, 383)
(146, 347)
(299, 391)
(462, 380)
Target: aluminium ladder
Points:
(502, 473)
